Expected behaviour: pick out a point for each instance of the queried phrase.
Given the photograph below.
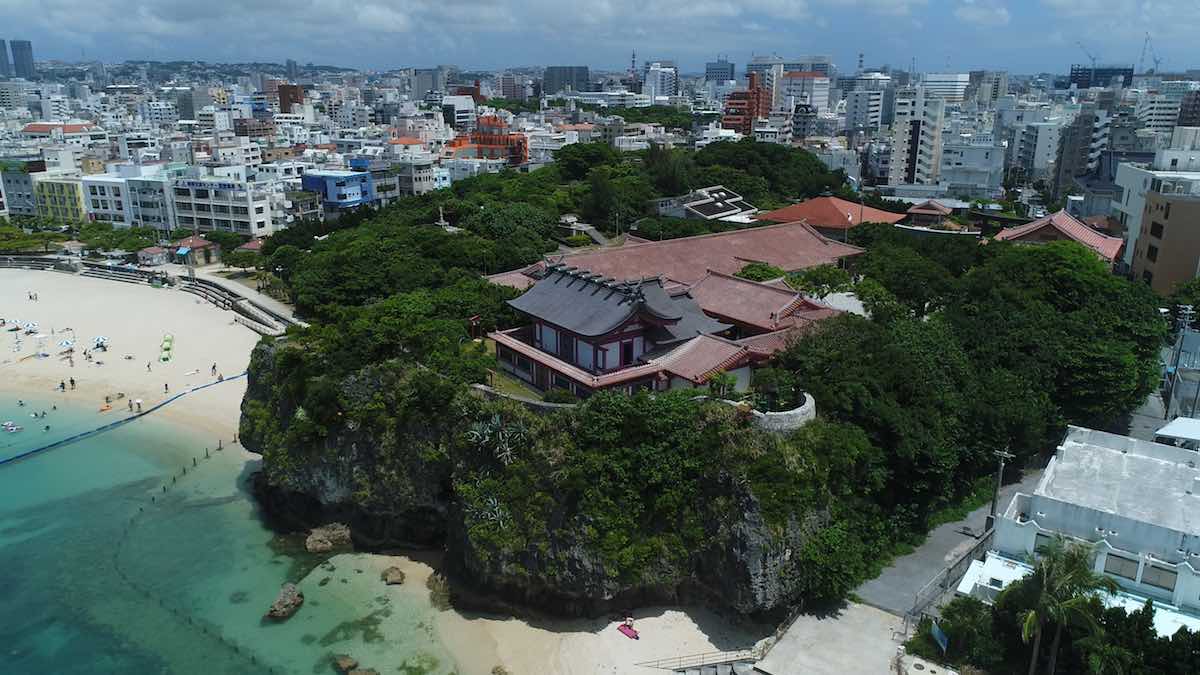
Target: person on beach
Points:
(147, 366)
(214, 370)
(130, 405)
(46, 428)
(165, 388)
(62, 386)
(72, 383)
(20, 403)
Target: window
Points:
(1167, 211)
(258, 209)
(627, 352)
(92, 189)
(1040, 542)
(1159, 577)
(116, 192)
(1156, 230)
(562, 382)
(1120, 567)
(1152, 253)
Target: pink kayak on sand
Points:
(629, 632)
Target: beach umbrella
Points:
(32, 325)
(100, 340)
(67, 344)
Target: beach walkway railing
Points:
(691, 661)
(113, 425)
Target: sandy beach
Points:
(135, 318)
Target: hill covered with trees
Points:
(367, 415)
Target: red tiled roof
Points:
(830, 213)
(153, 250)
(788, 246)
(194, 242)
(702, 357)
(405, 140)
(516, 278)
(750, 303)
(252, 245)
(931, 207)
(47, 127)
(1068, 227)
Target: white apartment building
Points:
(1178, 165)
(1037, 147)
(56, 108)
(803, 87)
(993, 85)
(1158, 112)
(106, 199)
(216, 203)
(660, 79)
(864, 109)
(950, 86)
(212, 119)
(158, 113)
(461, 110)
(917, 138)
(135, 144)
(1133, 501)
(13, 93)
(973, 168)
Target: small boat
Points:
(628, 631)
(13, 428)
(105, 408)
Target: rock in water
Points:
(392, 576)
(289, 600)
(344, 663)
(327, 538)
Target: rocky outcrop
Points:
(286, 604)
(383, 493)
(326, 538)
(317, 478)
(344, 663)
(392, 576)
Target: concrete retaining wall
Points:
(779, 422)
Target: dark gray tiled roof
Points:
(590, 305)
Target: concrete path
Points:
(895, 589)
(1148, 418)
(858, 639)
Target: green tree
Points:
(577, 160)
(758, 271)
(820, 281)
(1062, 586)
(240, 259)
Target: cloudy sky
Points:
(1019, 35)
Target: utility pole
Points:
(1001, 455)
(1186, 313)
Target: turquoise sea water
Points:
(101, 571)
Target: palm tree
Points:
(1064, 584)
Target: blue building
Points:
(340, 190)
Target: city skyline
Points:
(1022, 37)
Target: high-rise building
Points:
(746, 105)
(293, 69)
(720, 70)
(802, 87)
(557, 79)
(864, 110)
(917, 138)
(950, 86)
(1085, 77)
(290, 96)
(22, 56)
(1189, 110)
(5, 66)
(660, 78)
(992, 85)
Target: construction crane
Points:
(1153, 54)
(1092, 78)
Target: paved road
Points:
(857, 639)
(895, 589)
(1147, 419)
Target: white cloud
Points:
(983, 12)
